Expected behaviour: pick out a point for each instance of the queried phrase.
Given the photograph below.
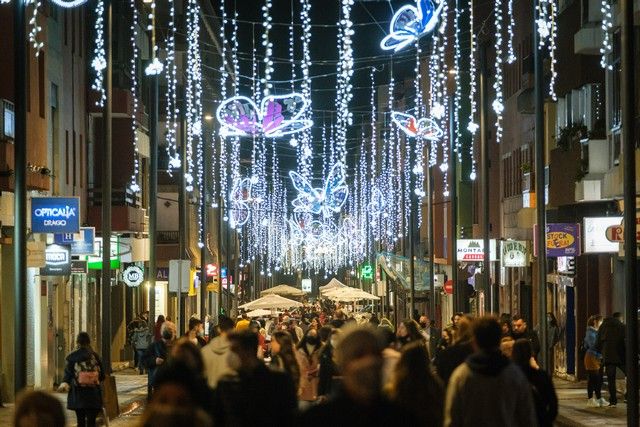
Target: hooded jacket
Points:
(82, 397)
(489, 390)
(214, 356)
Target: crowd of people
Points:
(327, 367)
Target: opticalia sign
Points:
(55, 214)
(473, 250)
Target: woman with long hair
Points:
(409, 331)
(283, 357)
(415, 388)
(157, 336)
(593, 363)
(308, 355)
(83, 374)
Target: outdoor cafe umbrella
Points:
(261, 312)
(349, 294)
(270, 302)
(284, 290)
(333, 284)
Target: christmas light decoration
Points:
(278, 115)
(99, 61)
(410, 23)
(327, 200)
(548, 32)
(606, 25)
(425, 127)
(345, 72)
(498, 102)
(134, 183)
(69, 4)
(35, 27)
(511, 55)
(268, 45)
(171, 109)
(240, 198)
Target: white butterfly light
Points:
(327, 200)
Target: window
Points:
(8, 119)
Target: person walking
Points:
(283, 356)
(455, 354)
(157, 336)
(415, 388)
(488, 389)
(83, 374)
(308, 355)
(543, 392)
(195, 334)
(216, 352)
(408, 331)
(141, 339)
(158, 352)
(521, 330)
(593, 363)
(611, 344)
(327, 370)
(255, 395)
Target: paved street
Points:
(574, 411)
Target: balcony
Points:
(588, 40)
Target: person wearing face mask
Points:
(157, 353)
(308, 355)
(196, 332)
(255, 393)
(359, 402)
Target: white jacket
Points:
(214, 355)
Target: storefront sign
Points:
(162, 275)
(566, 264)
(212, 270)
(366, 272)
(55, 214)
(473, 250)
(514, 253)
(306, 285)
(179, 275)
(595, 234)
(561, 239)
(133, 276)
(79, 267)
(58, 261)
(81, 243)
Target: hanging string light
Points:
(345, 72)
(99, 61)
(547, 31)
(472, 126)
(457, 97)
(511, 54)
(606, 25)
(134, 184)
(35, 27)
(268, 46)
(171, 109)
(222, 159)
(498, 102)
(305, 151)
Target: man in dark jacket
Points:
(359, 402)
(256, 393)
(521, 330)
(158, 351)
(611, 344)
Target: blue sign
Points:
(55, 214)
(223, 272)
(83, 246)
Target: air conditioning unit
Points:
(7, 120)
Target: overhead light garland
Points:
(305, 148)
(498, 101)
(345, 72)
(547, 32)
(268, 45)
(472, 126)
(171, 109)
(134, 185)
(35, 27)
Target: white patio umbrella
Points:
(261, 312)
(270, 302)
(284, 290)
(348, 294)
(333, 284)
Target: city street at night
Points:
(319, 213)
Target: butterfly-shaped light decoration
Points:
(240, 198)
(277, 116)
(425, 128)
(327, 200)
(377, 204)
(410, 23)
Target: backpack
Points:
(88, 372)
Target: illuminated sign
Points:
(55, 214)
(57, 261)
(561, 239)
(514, 253)
(473, 250)
(366, 272)
(595, 234)
(81, 243)
(133, 276)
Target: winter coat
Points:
(259, 397)
(158, 349)
(533, 338)
(309, 367)
(214, 356)
(327, 370)
(141, 337)
(450, 358)
(592, 357)
(544, 396)
(611, 342)
(489, 390)
(82, 397)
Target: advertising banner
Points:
(81, 243)
(514, 253)
(562, 239)
(595, 234)
(55, 214)
(473, 250)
